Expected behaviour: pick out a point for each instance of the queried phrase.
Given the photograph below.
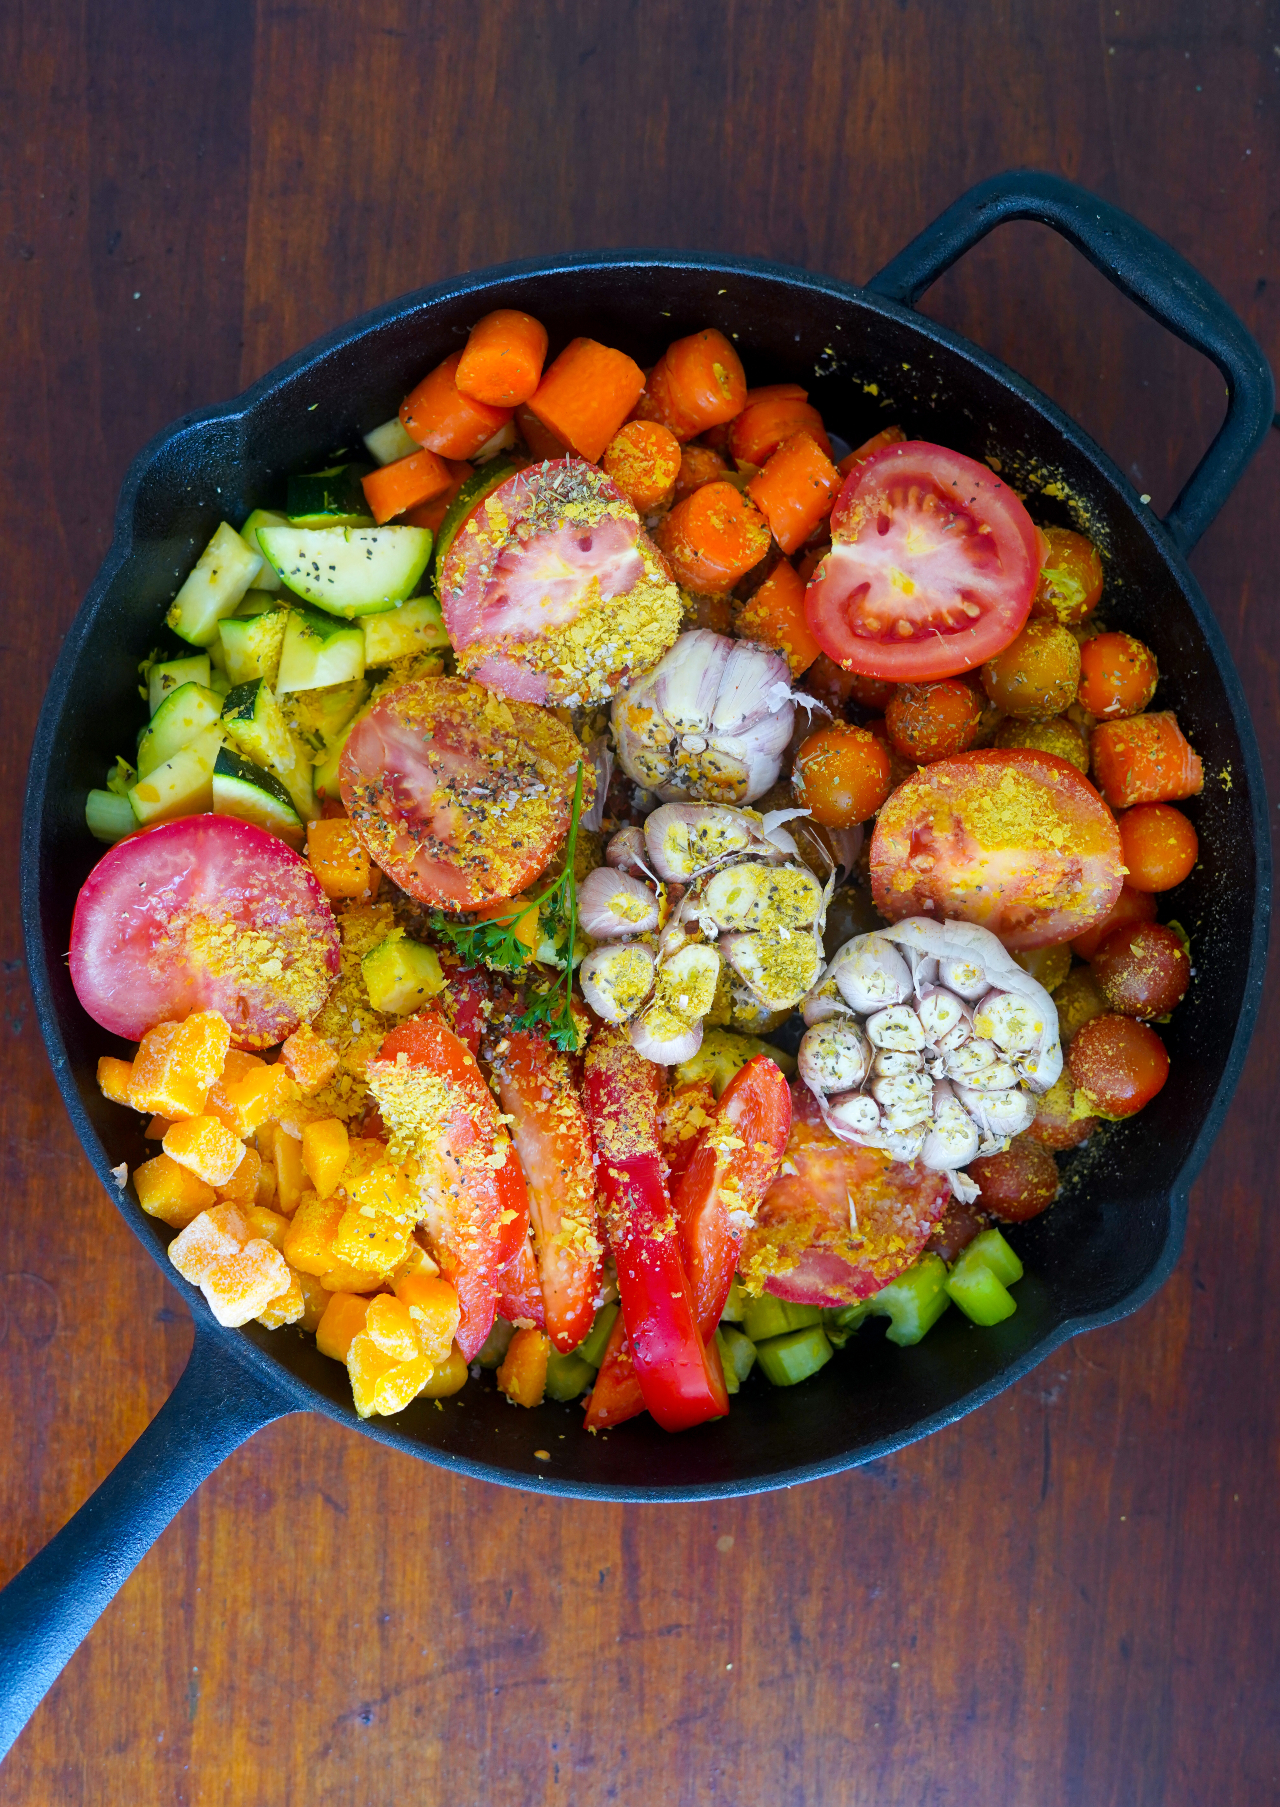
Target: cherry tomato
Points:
(842, 774)
(1071, 578)
(1037, 674)
(459, 797)
(549, 590)
(1130, 906)
(1017, 1184)
(932, 568)
(1142, 970)
(1077, 1001)
(1014, 840)
(1058, 1122)
(1059, 736)
(1118, 676)
(932, 721)
(1118, 1063)
(1160, 846)
(205, 913)
(956, 1231)
(836, 687)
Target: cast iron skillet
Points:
(869, 360)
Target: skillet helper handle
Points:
(52, 1604)
(1147, 270)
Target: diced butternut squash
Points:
(309, 1244)
(311, 1061)
(238, 1274)
(157, 1129)
(287, 1308)
(344, 1279)
(343, 1319)
(268, 1224)
(416, 1261)
(171, 1192)
(371, 1180)
(236, 1065)
(176, 1063)
(291, 1176)
(264, 1191)
(258, 1096)
(325, 1147)
(242, 1187)
(449, 1377)
(337, 857)
(203, 1145)
(433, 1309)
(370, 1239)
(113, 1078)
(523, 1374)
(391, 1328)
(315, 1301)
(379, 1383)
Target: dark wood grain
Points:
(1071, 1597)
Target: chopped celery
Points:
(735, 1305)
(568, 1376)
(108, 817)
(975, 1287)
(495, 1344)
(784, 1360)
(122, 777)
(994, 1252)
(766, 1316)
(840, 1321)
(914, 1301)
(738, 1353)
(592, 1347)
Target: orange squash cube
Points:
(344, 1279)
(242, 1187)
(391, 1328)
(113, 1078)
(238, 1274)
(236, 1065)
(311, 1061)
(370, 1239)
(315, 1301)
(325, 1147)
(203, 1145)
(268, 1224)
(372, 1181)
(291, 1176)
(286, 1308)
(343, 1319)
(264, 1191)
(523, 1374)
(379, 1383)
(257, 1096)
(157, 1129)
(337, 857)
(176, 1063)
(449, 1377)
(416, 1261)
(171, 1192)
(433, 1310)
(309, 1244)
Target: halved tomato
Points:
(932, 569)
(1008, 837)
(459, 796)
(550, 591)
(206, 913)
(840, 1221)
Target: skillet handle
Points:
(51, 1605)
(1147, 270)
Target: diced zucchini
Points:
(735, 1305)
(320, 717)
(390, 441)
(737, 1355)
(163, 679)
(253, 720)
(767, 1317)
(596, 1341)
(977, 1288)
(223, 572)
(252, 644)
(329, 498)
(261, 517)
(182, 715)
(108, 817)
(474, 490)
(258, 601)
(318, 651)
(252, 794)
(414, 627)
(183, 785)
(400, 975)
(568, 1376)
(349, 571)
(724, 1053)
(785, 1360)
(914, 1301)
(220, 684)
(217, 658)
(122, 777)
(326, 778)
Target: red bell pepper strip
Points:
(684, 1116)
(538, 1093)
(513, 1215)
(733, 1167)
(519, 1294)
(681, 1384)
(616, 1395)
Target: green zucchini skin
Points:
(482, 483)
(329, 498)
(252, 794)
(349, 571)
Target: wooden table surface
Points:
(1070, 1597)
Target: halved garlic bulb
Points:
(612, 904)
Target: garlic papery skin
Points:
(626, 852)
(616, 979)
(835, 1057)
(869, 973)
(711, 720)
(822, 1002)
(612, 904)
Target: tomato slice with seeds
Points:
(932, 569)
(205, 913)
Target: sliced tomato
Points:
(932, 569)
(556, 545)
(206, 913)
(519, 1294)
(548, 1123)
(1010, 838)
(721, 1190)
(459, 796)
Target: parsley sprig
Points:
(548, 1004)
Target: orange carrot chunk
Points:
(431, 514)
(795, 490)
(404, 484)
(539, 439)
(699, 464)
(502, 363)
(770, 417)
(869, 447)
(775, 617)
(696, 384)
(713, 538)
(586, 395)
(440, 417)
(643, 459)
(1144, 759)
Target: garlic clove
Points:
(890, 1063)
(897, 1027)
(664, 1038)
(966, 1062)
(778, 967)
(953, 1140)
(964, 975)
(616, 979)
(753, 895)
(834, 1057)
(910, 1095)
(626, 852)
(612, 904)
(998, 1077)
(1013, 1023)
(854, 1111)
(684, 839)
(870, 973)
(940, 1012)
(1000, 1114)
(686, 983)
(823, 1001)
(904, 1145)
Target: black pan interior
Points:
(1116, 1232)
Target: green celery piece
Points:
(975, 1289)
(994, 1252)
(914, 1301)
(735, 1305)
(738, 1353)
(731, 1382)
(784, 1360)
(568, 1376)
(840, 1321)
(768, 1317)
(592, 1347)
(494, 1350)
